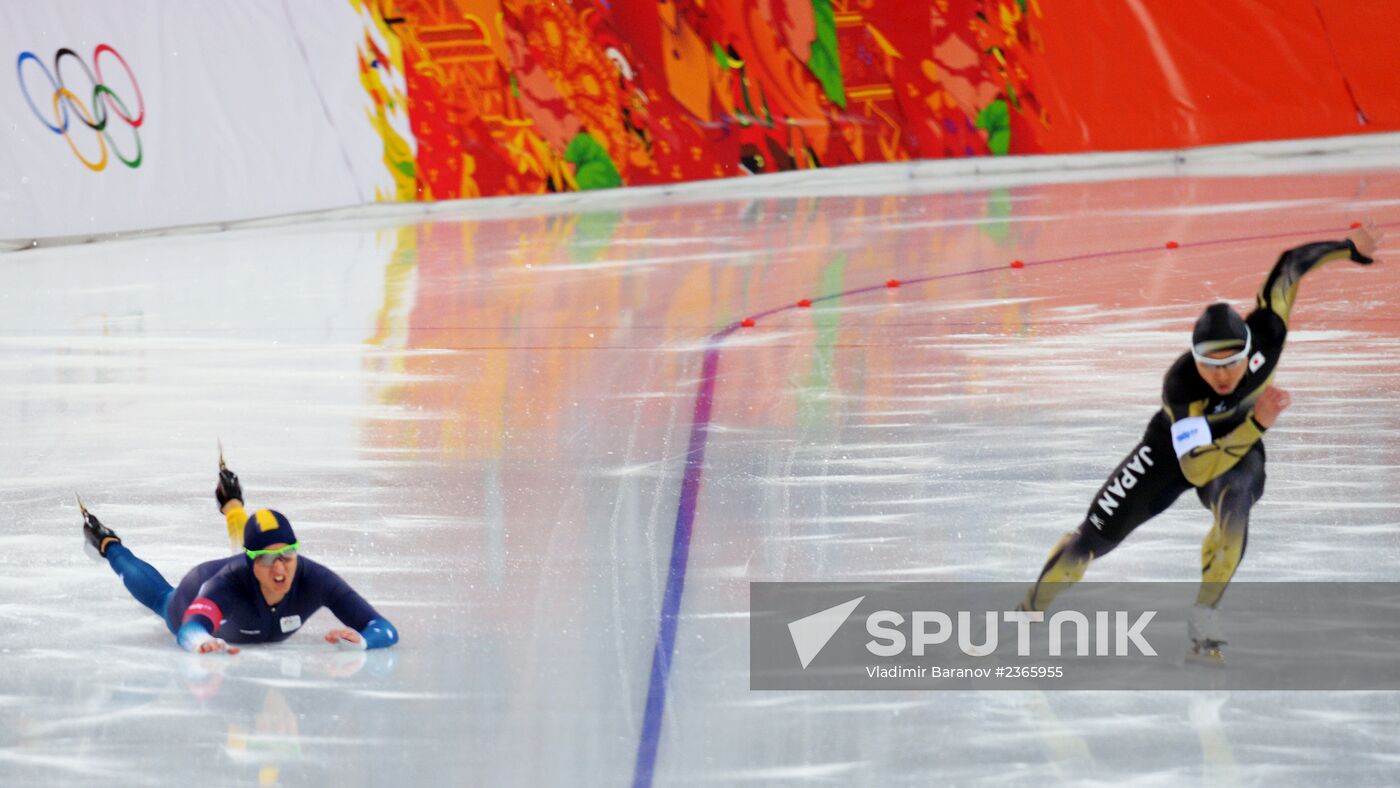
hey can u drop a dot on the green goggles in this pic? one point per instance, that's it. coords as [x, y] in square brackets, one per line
[270, 557]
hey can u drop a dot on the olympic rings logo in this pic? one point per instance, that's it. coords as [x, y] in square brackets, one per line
[105, 103]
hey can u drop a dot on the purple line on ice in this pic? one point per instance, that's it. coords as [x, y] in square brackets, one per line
[675, 577]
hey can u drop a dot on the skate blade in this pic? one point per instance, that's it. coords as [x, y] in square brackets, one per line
[1213, 659]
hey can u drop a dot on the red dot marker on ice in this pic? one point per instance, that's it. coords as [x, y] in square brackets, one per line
[892, 283]
[804, 303]
[1356, 225]
[1017, 264]
[1172, 244]
[747, 322]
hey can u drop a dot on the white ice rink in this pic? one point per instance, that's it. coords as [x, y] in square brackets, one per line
[482, 421]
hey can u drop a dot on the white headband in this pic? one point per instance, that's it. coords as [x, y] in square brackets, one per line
[1228, 361]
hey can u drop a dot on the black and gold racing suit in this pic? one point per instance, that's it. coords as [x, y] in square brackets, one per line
[1198, 439]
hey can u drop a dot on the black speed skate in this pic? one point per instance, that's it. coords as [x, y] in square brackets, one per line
[96, 534]
[1207, 635]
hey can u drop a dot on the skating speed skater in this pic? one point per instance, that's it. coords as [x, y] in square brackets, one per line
[1218, 400]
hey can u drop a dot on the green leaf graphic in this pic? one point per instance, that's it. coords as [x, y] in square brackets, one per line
[593, 167]
[996, 119]
[824, 61]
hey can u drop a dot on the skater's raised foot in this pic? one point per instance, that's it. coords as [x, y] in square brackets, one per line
[99, 536]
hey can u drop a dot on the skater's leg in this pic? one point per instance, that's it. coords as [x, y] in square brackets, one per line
[140, 578]
[1147, 482]
[1068, 561]
[1230, 499]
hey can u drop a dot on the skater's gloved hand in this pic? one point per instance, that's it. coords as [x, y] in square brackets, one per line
[1367, 239]
[346, 639]
[193, 637]
[216, 644]
[228, 489]
[1271, 403]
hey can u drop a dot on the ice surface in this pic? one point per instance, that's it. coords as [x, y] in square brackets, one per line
[483, 424]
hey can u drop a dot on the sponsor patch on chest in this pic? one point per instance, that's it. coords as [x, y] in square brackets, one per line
[291, 623]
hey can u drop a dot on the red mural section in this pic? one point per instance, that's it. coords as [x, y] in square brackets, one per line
[519, 97]
[1136, 75]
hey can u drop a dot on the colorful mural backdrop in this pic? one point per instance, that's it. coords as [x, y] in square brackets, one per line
[265, 108]
[516, 96]
[520, 96]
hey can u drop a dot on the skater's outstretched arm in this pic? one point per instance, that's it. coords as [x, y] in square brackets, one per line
[1281, 287]
[367, 628]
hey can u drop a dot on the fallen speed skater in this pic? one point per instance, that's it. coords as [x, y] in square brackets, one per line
[263, 593]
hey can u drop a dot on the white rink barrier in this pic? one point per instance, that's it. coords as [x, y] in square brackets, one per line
[146, 113]
[1350, 153]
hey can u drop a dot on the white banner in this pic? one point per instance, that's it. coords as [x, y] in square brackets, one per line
[119, 116]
